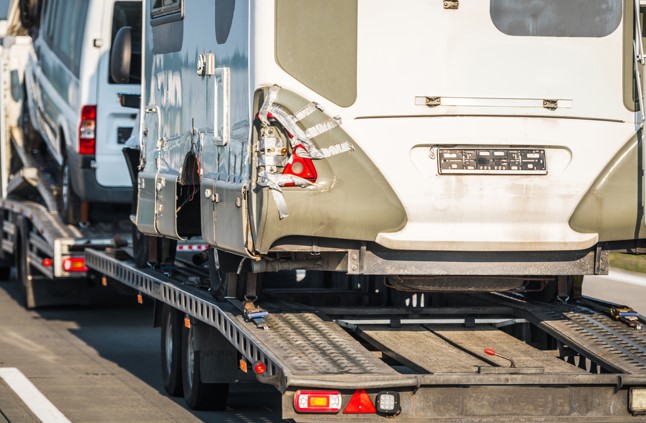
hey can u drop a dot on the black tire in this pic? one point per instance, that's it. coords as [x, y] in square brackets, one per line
[171, 350]
[197, 394]
[23, 268]
[69, 204]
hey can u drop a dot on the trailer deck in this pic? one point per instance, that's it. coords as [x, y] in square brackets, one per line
[428, 356]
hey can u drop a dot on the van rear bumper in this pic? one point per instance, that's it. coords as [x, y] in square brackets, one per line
[85, 185]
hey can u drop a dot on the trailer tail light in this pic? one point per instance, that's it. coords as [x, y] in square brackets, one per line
[360, 403]
[74, 264]
[260, 368]
[637, 401]
[303, 167]
[87, 131]
[47, 262]
[317, 401]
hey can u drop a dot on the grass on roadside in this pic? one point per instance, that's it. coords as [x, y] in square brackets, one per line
[630, 262]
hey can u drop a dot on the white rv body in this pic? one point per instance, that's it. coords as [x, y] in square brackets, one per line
[405, 110]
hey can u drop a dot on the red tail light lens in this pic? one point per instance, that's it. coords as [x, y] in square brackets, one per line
[87, 131]
[74, 264]
[302, 167]
[317, 401]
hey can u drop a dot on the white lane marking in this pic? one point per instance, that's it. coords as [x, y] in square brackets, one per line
[628, 277]
[31, 396]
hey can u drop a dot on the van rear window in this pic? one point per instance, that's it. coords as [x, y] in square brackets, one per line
[128, 13]
[557, 18]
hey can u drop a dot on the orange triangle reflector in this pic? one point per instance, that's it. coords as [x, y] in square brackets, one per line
[360, 403]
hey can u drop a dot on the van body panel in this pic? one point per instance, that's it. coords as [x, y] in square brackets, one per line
[68, 71]
[115, 122]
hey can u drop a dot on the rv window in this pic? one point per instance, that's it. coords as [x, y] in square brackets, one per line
[316, 43]
[223, 19]
[166, 11]
[557, 18]
[128, 13]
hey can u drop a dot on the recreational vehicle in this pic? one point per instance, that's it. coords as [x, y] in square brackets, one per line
[441, 145]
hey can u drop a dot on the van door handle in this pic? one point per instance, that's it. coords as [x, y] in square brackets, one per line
[222, 106]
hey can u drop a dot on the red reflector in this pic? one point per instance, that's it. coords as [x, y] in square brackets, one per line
[74, 264]
[317, 401]
[360, 403]
[489, 351]
[302, 167]
[87, 130]
[260, 368]
[47, 262]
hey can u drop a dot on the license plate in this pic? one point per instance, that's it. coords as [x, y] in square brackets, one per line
[479, 161]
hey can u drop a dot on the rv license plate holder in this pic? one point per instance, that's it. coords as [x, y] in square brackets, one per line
[491, 161]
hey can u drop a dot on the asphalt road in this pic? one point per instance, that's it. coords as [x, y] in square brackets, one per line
[101, 364]
[621, 287]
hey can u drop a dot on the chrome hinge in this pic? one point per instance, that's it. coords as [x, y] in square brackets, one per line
[206, 64]
[551, 104]
[451, 4]
[433, 101]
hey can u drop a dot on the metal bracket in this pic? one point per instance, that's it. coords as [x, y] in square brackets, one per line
[600, 261]
[434, 101]
[354, 262]
[451, 4]
[206, 64]
[550, 104]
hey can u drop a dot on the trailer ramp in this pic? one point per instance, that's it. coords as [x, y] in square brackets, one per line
[616, 347]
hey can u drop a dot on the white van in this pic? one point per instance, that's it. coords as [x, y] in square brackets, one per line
[73, 102]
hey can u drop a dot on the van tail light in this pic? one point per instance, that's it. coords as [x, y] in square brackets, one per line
[74, 264]
[87, 131]
[303, 167]
[317, 401]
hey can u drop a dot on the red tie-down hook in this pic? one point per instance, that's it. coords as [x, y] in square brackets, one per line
[492, 352]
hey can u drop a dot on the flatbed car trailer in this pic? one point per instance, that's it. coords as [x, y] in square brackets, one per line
[476, 357]
[47, 252]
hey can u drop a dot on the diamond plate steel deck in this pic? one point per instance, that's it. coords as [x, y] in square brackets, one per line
[617, 347]
[298, 345]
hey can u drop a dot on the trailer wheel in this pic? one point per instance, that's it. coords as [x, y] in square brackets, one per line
[199, 395]
[23, 271]
[69, 204]
[171, 350]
